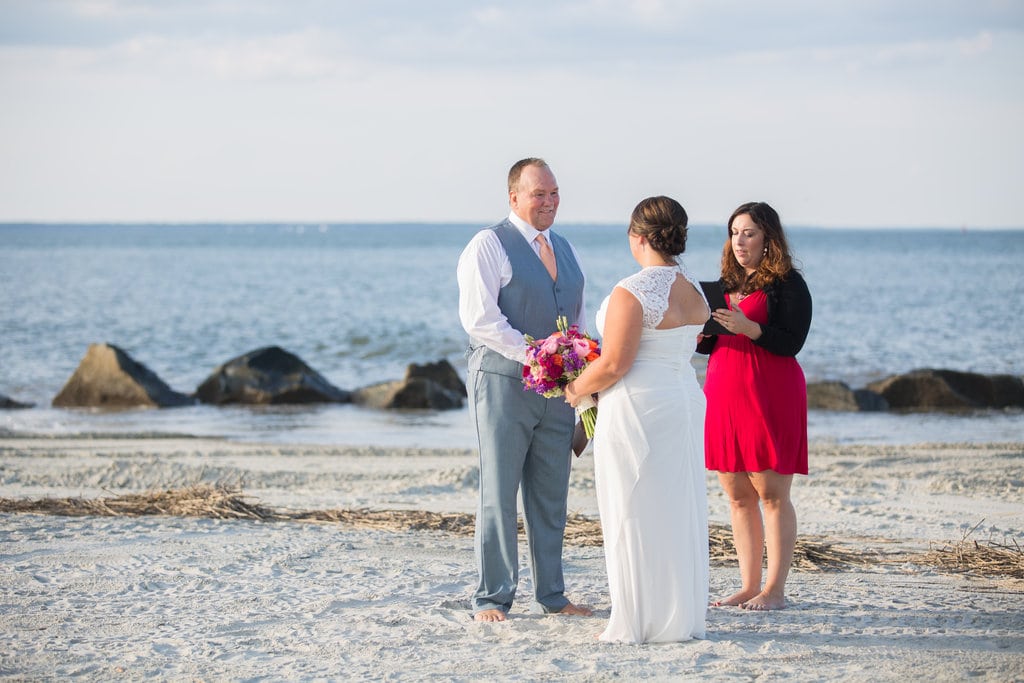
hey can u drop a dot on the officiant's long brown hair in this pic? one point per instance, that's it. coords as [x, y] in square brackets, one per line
[776, 263]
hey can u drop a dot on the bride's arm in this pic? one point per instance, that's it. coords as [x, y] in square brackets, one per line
[622, 324]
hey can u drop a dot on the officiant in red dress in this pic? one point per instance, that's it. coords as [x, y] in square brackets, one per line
[755, 430]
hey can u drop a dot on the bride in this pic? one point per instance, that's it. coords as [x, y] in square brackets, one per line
[649, 438]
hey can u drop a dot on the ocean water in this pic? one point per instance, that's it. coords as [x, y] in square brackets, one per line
[360, 302]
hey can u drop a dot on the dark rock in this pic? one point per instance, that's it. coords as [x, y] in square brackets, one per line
[441, 372]
[870, 401]
[830, 396]
[1007, 391]
[377, 395]
[108, 377]
[435, 386]
[919, 389]
[8, 403]
[950, 389]
[268, 376]
[839, 396]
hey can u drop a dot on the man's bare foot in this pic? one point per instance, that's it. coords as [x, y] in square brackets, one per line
[763, 602]
[490, 615]
[736, 599]
[575, 611]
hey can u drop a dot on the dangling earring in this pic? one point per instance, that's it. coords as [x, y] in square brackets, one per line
[765, 252]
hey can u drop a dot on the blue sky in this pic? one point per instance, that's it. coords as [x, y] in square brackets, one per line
[839, 113]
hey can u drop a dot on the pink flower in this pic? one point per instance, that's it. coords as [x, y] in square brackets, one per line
[581, 347]
[550, 345]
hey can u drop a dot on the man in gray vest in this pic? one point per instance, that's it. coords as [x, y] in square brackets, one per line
[516, 278]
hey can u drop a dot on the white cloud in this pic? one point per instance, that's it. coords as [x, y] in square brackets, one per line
[406, 111]
[305, 56]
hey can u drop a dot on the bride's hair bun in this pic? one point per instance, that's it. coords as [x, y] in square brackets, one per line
[662, 221]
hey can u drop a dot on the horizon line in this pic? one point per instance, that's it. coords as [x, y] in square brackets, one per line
[383, 222]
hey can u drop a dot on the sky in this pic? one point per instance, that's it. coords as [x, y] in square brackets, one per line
[839, 113]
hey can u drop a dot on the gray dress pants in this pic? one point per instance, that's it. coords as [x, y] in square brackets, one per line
[524, 441]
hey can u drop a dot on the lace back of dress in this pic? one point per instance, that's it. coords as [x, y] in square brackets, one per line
[652, 286]
[695, 282]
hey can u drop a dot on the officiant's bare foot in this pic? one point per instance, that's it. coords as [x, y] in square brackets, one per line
[490, 615]
[763, 602]
[736, 599]
[575, 611]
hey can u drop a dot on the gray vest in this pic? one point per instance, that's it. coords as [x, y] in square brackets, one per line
[531, 301]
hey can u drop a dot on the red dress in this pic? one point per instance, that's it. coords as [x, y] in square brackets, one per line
[757, 404]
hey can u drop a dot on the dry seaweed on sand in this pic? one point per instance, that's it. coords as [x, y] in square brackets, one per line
[225, 502]
[979, 558]
[809, 554]
[390, 520]
[195, 501]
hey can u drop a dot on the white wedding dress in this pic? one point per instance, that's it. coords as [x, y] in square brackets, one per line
[650, 478]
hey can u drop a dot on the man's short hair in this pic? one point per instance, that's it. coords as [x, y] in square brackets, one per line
[517, 170]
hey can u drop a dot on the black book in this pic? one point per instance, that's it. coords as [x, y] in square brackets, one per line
[716, 299]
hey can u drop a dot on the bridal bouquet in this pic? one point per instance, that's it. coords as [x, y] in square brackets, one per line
[553, 362]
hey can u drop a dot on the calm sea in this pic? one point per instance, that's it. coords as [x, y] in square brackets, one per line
[360, 302]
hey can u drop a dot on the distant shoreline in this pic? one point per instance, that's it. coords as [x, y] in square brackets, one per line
[571, 224]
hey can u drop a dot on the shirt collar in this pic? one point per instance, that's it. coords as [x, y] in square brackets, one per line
[527, 230]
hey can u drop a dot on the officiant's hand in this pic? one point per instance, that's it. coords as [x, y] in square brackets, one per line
[734, 320]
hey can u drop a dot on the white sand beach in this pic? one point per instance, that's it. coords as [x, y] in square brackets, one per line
[192, 598]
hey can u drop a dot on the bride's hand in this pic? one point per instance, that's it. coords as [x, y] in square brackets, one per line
[571, 397]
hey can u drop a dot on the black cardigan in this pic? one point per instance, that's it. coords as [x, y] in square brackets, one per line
[789, 318]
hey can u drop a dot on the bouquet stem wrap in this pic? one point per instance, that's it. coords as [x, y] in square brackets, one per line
[586, 411]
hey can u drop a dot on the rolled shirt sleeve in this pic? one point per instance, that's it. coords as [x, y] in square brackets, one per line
[483, 270]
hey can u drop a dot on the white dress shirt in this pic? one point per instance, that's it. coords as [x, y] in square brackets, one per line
[483, 270]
